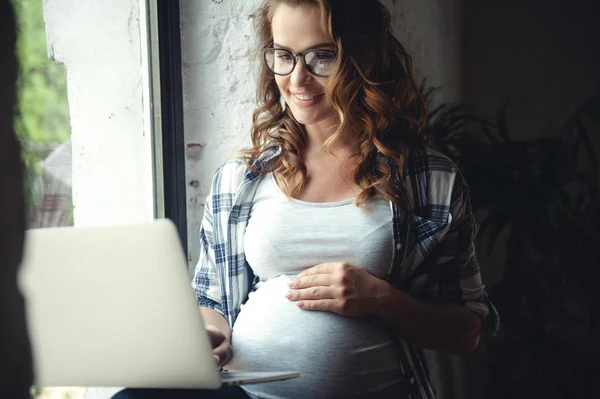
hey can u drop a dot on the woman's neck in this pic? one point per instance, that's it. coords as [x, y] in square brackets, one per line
[319, 134]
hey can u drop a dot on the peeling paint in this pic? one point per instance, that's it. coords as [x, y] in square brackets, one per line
[99, 44]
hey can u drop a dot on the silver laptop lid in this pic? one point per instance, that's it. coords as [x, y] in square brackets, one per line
[113, 306]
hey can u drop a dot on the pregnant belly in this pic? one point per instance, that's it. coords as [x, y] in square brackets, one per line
[339, 355]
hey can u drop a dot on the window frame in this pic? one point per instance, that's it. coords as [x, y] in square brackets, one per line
[167, 109]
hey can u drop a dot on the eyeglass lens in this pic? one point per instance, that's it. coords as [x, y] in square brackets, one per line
[318, 62]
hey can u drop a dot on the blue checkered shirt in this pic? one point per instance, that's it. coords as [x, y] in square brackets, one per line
[434, 246]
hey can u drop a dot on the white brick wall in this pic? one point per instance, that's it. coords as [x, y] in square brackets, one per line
[219, 84]
[219, 78]
[99, 43]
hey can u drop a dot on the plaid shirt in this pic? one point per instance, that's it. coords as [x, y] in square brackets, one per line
[434, 250]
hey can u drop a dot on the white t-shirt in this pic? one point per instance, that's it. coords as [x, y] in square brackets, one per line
[336, 356]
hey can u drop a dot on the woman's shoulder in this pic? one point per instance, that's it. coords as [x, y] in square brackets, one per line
[237, 169]
[228, 178]
[431, 176]
[232, 168]
[427, 160]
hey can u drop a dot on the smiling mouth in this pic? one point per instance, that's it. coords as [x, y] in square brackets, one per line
[305, 97]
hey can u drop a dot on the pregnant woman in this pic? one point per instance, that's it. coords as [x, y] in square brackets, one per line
[338, 245]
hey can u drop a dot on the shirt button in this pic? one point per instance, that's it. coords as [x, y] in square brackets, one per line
[399, 246]
[412, 380]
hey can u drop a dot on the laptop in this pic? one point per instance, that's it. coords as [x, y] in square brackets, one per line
[113, 307]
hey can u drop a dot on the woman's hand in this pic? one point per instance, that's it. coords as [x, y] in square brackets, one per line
[340, 288]
[222, 351]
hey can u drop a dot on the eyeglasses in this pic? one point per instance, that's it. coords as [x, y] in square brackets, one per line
[282, 62]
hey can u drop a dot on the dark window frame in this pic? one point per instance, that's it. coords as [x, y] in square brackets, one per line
[171, 117]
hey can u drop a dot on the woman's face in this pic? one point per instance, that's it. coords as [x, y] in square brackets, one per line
[299, 29]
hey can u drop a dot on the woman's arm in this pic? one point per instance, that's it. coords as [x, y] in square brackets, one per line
[215, 319]
[207, 287]
[219, 333]
[429, 323]
[447, 316]
[349, 290]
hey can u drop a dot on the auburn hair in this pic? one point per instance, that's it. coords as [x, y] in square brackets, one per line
[371, 89]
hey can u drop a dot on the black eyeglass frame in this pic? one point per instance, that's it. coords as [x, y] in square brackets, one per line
[295, 57]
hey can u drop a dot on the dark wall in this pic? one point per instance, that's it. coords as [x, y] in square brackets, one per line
[542, 55]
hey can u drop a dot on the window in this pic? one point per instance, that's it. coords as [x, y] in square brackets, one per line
[42, 122]
[42, 125]
[85, 118]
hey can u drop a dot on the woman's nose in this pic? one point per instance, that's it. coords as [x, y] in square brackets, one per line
[300, 75]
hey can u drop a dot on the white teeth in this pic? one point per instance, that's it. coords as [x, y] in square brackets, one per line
[304, 98]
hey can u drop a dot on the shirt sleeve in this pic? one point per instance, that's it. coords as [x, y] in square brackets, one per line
[206, 283]
[455, 274]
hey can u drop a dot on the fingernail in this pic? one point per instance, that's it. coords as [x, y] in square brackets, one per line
[288, 295]
[300, 304]
[217, 359]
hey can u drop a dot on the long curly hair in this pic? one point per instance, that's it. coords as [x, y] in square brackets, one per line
[371, 89]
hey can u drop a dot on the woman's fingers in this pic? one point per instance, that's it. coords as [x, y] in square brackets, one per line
[221, 346]
[324, 305]
[224, 352]
[316, 292]
[311, 281]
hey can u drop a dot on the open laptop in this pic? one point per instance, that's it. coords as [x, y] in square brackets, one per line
[113, 306]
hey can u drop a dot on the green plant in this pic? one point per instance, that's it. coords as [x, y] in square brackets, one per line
[36, 391]
[42, 112]
[542, 194]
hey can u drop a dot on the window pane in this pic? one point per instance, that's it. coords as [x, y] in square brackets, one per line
[42, 125]
[84, 119]
[42, 122]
